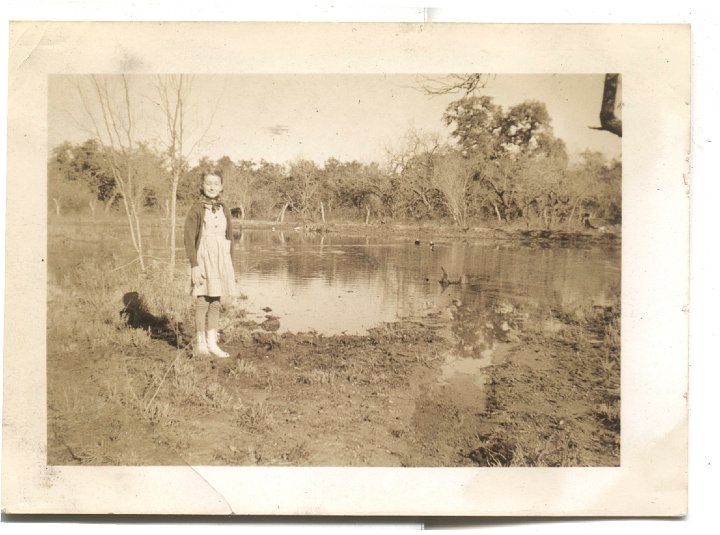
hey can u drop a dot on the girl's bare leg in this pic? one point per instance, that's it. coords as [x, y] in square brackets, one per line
[213, 319]
[201, 311]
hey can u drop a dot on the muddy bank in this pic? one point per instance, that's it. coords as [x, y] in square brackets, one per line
[279, 400]
[555, 401]
[406, 394]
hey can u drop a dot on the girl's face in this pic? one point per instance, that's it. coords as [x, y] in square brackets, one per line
[212, 185]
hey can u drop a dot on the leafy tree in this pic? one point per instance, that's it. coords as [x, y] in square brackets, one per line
[477, 125]
[374, 190]
[300, 188]
[517, 158]
[268, 191]
[469, 83]
[540, 189]
[542, 186]
[86, 163]
[66, 192]
[481, 128]
[239, 180]
[331, 180]
[151, 172]
[596, 187]
[362, 188]
[526, 129]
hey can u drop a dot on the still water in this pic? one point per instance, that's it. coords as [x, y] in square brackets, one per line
[347, 284]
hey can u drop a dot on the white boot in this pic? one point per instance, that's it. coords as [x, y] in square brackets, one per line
[213, 347]
[201, 347]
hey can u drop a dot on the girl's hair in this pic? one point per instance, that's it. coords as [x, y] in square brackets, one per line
[214, 172]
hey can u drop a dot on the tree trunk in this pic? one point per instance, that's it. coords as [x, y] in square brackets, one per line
[93, 206]
[525, 219]
[610, 100]
[281, 215]
[322, 212]
[242, 212]
[138, 232]
[572, 212]
[173, 217]
[134, 230]
[109, 202]
[497, 212]
[367, 215]
[57, 206]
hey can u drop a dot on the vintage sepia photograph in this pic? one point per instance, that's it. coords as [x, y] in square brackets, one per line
[346, 269]
[334, 270]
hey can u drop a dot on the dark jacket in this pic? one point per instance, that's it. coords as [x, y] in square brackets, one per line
[193, 228]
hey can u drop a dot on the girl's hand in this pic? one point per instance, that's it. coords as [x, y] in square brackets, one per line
[196, 276]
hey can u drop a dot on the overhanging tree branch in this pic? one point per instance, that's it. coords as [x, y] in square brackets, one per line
[611, 105]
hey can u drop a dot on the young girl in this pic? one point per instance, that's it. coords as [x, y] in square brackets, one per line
[208, 242]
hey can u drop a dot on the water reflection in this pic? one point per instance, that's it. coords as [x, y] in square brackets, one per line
[333, 284]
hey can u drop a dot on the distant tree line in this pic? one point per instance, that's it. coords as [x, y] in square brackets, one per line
[501, 166]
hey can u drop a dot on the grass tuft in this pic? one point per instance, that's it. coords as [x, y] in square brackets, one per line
[256, 416]
[317, 377]
[244, 368]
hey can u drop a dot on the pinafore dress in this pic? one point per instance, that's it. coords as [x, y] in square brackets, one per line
[214, 258]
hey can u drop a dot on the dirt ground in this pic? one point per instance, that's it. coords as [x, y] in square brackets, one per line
[125, 391]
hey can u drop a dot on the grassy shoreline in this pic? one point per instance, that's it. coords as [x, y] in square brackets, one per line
[437, 230]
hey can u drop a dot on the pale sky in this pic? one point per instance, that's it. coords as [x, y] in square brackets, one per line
[350, 117]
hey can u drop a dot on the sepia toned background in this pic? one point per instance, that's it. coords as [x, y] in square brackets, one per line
[642, 161]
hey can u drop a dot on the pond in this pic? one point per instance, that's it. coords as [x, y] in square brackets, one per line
[348, 284]
[334, 283]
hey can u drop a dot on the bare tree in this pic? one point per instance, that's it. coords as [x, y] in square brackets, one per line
[466, 83]
[110, 108]
[174, 92]
[412, 165]
[453, 176]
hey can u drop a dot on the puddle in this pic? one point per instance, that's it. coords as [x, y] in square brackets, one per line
[463, 380]
[464, 366]
[480, 339]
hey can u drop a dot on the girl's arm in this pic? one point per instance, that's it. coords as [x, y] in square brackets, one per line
[191, 236]
[229, 232]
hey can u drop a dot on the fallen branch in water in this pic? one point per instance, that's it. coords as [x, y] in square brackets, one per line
[445, 281]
